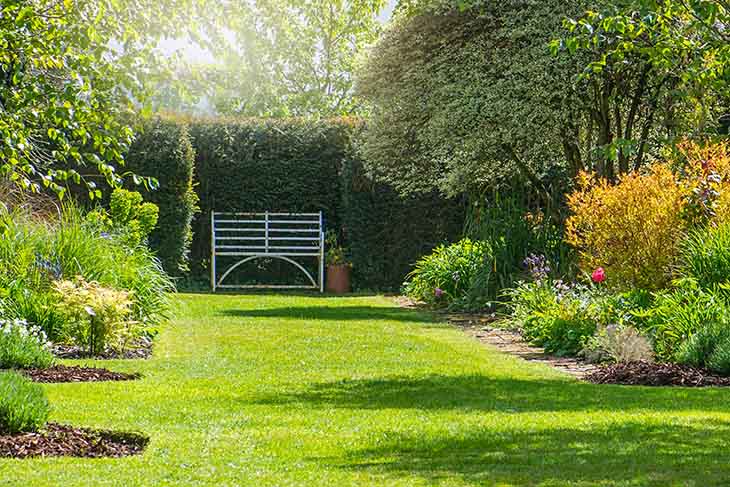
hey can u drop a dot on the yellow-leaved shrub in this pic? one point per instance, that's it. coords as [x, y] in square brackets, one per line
[630, 228]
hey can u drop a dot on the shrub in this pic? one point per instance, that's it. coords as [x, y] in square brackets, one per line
[632, 228]
[23, 346]
[618, 343]
[705, 256]
[98, 317]
[23, 404]
[447, 274]
[129, 217]
[704, 171]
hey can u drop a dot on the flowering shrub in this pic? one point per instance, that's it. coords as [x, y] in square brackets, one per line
[98, 317]
[631, 229]
[447, 274]
[23, 404]
[23, 346]
[34, 253]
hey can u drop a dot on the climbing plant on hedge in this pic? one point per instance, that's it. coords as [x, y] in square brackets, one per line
[163, 150]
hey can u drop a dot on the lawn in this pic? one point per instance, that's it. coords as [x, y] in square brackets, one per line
[279, 390]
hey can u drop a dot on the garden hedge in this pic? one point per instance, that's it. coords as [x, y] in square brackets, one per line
[298, 165]
[163, 150]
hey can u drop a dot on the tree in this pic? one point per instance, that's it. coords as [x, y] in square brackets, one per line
[293, 57]
[71, 75]
[464, 99]
[656, 71]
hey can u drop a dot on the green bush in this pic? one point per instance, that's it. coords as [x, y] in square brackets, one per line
[448, 274]
[35, 253]
[23, 346]
[565, 318]
[23, 404]
[705, 256]
[98, 318]
[163, 150]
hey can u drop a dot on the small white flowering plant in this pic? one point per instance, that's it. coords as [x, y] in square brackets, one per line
[23, 346]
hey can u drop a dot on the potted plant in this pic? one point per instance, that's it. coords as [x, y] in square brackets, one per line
[338, 267]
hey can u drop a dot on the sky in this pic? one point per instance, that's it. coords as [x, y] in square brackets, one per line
[194, 54]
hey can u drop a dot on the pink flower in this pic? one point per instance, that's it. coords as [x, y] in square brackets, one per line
[599, 275]
[438, 292]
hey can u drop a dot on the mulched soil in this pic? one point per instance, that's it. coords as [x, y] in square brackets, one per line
[655, 374]
[61, 440]
[63, 373]
[142, 349]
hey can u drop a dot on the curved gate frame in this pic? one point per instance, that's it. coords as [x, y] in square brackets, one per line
[259, 238]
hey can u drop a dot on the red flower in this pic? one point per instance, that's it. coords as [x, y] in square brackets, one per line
[599, 275]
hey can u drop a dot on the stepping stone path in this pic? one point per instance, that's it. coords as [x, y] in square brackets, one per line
[482, 328]
[511, 342]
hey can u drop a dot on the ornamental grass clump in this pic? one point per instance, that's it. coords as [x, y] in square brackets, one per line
[23, 346]
[23, 404]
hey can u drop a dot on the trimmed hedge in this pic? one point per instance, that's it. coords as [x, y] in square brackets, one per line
[387, 233]
[298, 165]
[163, 150]
[265, 165]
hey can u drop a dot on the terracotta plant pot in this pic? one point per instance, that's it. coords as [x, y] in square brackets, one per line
[338, 279]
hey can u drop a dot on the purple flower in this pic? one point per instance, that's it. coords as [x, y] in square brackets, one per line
[537, 266]
[438, 292]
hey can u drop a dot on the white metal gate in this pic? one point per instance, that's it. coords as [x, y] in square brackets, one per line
[290, 237]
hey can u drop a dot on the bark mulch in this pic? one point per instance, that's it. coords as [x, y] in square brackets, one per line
[142, 349]
[58, 440]
[656, 374]
[63, 373]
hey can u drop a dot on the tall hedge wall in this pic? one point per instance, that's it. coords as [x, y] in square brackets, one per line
[163, 150]
[265, 165]
[387, 233]
[306, 166]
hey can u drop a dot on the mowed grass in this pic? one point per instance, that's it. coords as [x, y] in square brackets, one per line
[285, 390]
